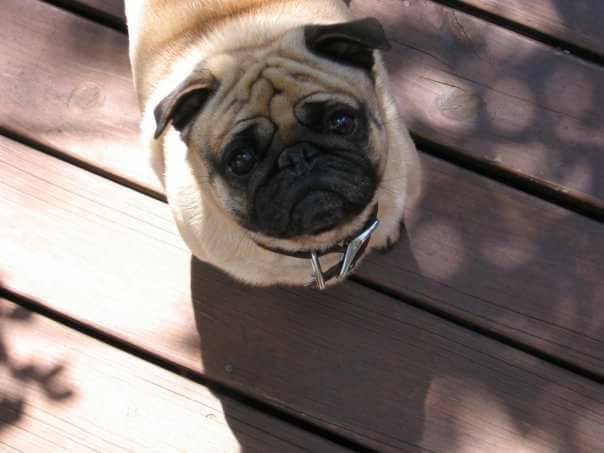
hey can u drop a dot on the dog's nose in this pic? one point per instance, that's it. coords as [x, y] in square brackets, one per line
[297, 157]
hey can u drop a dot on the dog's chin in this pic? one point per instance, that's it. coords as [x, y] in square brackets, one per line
[317, 212]
[324, 232]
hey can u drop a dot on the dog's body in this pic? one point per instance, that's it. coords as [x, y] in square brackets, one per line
[255, 66]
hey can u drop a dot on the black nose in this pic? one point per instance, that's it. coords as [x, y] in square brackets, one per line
[297, 157]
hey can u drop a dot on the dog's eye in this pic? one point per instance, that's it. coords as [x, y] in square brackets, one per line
[243, 161]
[342, 123]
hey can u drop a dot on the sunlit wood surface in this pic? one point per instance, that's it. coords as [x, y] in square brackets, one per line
[482, 331]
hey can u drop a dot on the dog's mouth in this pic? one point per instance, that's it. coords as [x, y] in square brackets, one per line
[314, 213]
[327, 194]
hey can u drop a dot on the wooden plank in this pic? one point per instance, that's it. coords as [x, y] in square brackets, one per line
[505, 261]
[353, 360]
[497, 96]
[578, 22]
[69, 87]
[512, 264]
[63, 391]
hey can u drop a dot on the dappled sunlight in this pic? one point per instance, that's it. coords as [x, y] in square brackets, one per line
[478, 400]
[578, 176]
[486, 91]
[503, 50]
[505, 254]
[532, 417]
[436, 98]
[458, 107]
[585, 428]
[536, 159]
[439, 249]
[482, 249]
[585, 138]
[461, 399]
[530, 269]
[576, 21]
[509, 115]
[503, 423]
[571, 90]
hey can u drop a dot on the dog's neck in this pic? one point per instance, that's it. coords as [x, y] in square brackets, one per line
[352, 249]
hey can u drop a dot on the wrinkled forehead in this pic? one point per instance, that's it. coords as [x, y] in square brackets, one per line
[270, 85]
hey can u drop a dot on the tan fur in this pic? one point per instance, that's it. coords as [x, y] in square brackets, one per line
[248, 46]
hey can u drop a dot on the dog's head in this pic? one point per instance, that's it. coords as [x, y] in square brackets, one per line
[289, 140]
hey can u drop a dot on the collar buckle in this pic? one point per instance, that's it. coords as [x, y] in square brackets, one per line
[353, 252]
[351, 249]
[317, 272]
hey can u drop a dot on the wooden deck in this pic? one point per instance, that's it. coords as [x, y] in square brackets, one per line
[483, 331]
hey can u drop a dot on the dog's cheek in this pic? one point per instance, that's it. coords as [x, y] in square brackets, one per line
[377, 149]
[234, 202]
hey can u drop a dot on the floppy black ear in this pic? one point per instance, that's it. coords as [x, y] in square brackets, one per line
[183, 104]
[350, 43]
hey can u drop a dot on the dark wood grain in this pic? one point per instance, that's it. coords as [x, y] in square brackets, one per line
[351, 359]
[66, 83]
[578, 22]
[491, 255]
[63, 391]
[505, 261]
[496, 96]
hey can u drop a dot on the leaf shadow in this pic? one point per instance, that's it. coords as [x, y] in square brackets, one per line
[21, 377]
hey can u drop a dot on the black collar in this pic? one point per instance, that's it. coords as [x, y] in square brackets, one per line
[352, 249]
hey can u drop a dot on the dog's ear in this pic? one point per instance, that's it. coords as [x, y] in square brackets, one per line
[350, 43]
[185, 102]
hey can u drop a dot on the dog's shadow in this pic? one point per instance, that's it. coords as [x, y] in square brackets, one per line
[321, 354]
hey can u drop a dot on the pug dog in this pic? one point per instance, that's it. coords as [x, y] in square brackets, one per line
[272, 128]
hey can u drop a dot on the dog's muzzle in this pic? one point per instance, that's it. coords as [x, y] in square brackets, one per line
[351, 249]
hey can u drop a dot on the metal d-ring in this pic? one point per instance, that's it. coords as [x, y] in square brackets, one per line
[354, 247]
[317, 272]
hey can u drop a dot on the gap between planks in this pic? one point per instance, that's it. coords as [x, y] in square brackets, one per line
[109, 13]
[98, 170]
